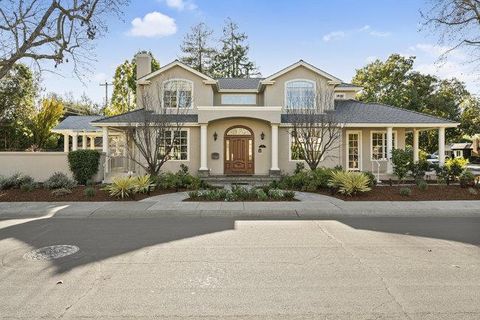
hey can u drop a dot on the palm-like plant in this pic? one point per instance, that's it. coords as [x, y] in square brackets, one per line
[122, 187]
[349, 183]
[144, 184]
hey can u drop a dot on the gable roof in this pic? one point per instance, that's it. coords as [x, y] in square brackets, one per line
[77, 123]
[239, 83]
[176, 63]
[139, 116]
[302, 63]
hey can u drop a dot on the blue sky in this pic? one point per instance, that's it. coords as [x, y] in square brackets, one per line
[336, 36]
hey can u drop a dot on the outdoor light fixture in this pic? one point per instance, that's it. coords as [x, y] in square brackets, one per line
[215, 136]
[262, 135]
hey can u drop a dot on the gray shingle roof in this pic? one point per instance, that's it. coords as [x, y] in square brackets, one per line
[140, 114]
[347, 85]
[352, 111]
[238, 83]
[78, 123]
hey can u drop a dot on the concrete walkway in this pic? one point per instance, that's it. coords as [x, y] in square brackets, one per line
[310, 206]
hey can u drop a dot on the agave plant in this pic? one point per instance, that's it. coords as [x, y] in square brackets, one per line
[144, 184]
[349, 183]
[122, 187]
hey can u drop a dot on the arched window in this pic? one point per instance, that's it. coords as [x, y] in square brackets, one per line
[300, 94]
[177, 93]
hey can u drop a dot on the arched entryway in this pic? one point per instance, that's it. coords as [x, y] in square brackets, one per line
[239, 155]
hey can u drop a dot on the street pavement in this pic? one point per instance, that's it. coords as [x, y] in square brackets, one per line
[150, 265]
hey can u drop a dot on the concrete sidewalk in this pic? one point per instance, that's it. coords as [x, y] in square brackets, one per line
[310, 206]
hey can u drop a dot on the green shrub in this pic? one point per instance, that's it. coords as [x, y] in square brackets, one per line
[240, 193]
[261, 194]
[422, 185]
[467, 179]
[372, 180]
[406, 192]
[299, 167]
[311, 180]
[61, 192]
[289, 195]
[349, 183]
[59, 180]
[472, 191]
[89, 192]
[455, 167]
[194, 195]
[83, 164]
[28, 187]
[401, 160]
[419, 169]
[178, 180]
[122, 187]
[144, 184]
[15, 181]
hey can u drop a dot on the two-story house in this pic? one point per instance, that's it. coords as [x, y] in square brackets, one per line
[241, 127]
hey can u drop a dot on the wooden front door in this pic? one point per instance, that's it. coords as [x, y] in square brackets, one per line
[239, 151]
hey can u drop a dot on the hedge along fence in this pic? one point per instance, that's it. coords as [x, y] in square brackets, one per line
[40, 165]
[84, 164]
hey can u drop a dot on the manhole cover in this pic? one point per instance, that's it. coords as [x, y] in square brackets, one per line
[51, 252]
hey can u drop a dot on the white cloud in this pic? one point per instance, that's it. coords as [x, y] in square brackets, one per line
[337, 35]
[181, 5]
[154, 24]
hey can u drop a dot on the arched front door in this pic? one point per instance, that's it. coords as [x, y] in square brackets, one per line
[239, 155]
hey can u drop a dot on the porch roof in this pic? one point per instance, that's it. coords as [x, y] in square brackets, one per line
[77, 124]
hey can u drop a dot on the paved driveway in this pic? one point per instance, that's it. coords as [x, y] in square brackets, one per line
[226, 268]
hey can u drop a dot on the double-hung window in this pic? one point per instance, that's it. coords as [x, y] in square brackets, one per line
[298, 146]
[379, 144]
[300, 94]
[176, 141]
[177, 94]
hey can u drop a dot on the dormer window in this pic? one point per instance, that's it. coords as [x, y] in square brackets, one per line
[177, 93]
[300, 94]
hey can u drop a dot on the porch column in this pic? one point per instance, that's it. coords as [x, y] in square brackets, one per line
[416, 156]
[74, 141]
[66, 142]
[92, 142]
[389, 150]
[105, 148]
[441, 146]
[274, 169]
[84, 141]
[203, 148]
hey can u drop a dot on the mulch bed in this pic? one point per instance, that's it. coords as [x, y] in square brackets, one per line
[43, 195]
[433, 193]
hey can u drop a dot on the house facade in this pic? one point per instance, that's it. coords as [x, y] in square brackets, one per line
[242, 127]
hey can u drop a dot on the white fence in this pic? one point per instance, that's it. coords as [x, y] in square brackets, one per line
[39, 165]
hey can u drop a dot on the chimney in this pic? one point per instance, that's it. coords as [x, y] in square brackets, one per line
[144, 64]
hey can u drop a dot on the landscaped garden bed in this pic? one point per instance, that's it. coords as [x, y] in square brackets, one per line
[241, 193]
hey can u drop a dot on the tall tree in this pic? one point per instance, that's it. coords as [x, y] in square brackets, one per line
[53, 30]
[125, 86]
[196, 48]
[457, 22]
[42, 121]
[233, 61]
[395, 83]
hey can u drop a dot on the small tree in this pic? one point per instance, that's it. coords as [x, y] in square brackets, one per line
[402, 161]
[155, 136]
[315, 130]
[42, 121]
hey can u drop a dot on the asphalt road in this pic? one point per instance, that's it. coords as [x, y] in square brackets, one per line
[203, 268]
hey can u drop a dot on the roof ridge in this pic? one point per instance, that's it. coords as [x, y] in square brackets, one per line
[121, 114]
[403, 109]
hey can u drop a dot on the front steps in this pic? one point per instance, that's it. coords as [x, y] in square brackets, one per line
[226, 180]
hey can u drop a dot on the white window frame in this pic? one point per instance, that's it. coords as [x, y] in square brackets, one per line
[302, 80]
[188, 146]
[238, 94]
[290, 141]
[394, 144]
[360, 151]
[177, 79]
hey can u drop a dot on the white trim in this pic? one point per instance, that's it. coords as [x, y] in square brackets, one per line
[303, 64]
[360, 151]
[144, 79]
[431, 126]
[178, 80]
[243, 108]
[298, 80]
[395, 143]
[238, 91]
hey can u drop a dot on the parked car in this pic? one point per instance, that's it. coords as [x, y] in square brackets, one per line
[433, 158]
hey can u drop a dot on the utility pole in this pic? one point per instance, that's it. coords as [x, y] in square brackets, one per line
[106, 85]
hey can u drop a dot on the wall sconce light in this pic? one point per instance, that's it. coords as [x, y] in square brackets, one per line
[215, 136]
[262, 135]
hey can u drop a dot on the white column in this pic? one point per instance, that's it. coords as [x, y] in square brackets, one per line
[92, 142]
[66, 142]
[416, 156]
[203, 147]
[74, 141]
[105, 148]
[389, 149]
[274, 147]
[84, 141]
[441, 146]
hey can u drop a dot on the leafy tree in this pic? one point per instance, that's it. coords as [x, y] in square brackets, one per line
[197, 52]
[42, 121]
[73, 106]
[233, 61]
[125, 87]
[470, 118]
[395, 83]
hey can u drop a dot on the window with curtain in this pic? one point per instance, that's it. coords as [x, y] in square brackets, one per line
[177, 94]
[300, 94]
